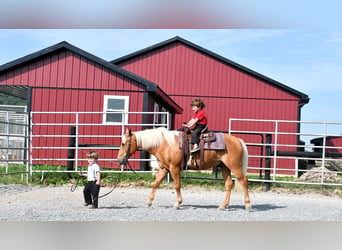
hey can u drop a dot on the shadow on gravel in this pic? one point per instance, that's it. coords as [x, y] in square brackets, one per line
[257, 207]
[266, 207]
[14, 189]
[199, 206]
[117, 207]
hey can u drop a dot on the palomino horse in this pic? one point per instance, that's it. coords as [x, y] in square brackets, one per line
[164, 145]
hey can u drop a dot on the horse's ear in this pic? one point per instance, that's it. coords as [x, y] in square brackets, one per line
[128, 131]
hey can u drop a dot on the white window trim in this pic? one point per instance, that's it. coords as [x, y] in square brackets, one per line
[126, 106]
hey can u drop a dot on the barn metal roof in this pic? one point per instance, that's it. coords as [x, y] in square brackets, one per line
[303, 97]
[19, 91]
[15, 90]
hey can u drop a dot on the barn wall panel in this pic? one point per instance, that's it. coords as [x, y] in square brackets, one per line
[219, 110]
[180, 71]
[188, 72]
[67, 70]
[78, 100]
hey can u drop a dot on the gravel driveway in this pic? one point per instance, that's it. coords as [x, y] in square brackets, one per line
[31, 203]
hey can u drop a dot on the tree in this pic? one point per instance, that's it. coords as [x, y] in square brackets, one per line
[6, 99]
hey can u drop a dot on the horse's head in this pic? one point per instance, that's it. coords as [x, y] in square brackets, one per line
[127, 148]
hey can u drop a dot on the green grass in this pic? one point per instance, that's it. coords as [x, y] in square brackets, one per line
[16, 174]
[203, 180]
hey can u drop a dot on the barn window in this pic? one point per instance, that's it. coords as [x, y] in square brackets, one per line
[159, 118]
[115, 109]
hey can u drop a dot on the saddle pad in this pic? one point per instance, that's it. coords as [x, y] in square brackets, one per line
[218, 144]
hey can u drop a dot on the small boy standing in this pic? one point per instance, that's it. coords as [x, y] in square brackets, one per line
[92, 188]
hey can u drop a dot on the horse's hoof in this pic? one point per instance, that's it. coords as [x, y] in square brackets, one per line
[222, 207]
[148, 204]
[248, 209]
[177, 206]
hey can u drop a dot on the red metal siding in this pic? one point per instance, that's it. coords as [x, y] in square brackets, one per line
[67, 70]
[67, 82]
[49, 100]
[336, 143]
[185, 74]
[181, 70]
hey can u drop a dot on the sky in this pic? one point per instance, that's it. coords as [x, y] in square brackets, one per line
[307, 60]
[298, 43]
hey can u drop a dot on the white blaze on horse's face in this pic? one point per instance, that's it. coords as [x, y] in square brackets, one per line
[123, 154]
[123, 140]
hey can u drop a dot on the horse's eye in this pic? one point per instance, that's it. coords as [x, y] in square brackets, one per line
[123, 144]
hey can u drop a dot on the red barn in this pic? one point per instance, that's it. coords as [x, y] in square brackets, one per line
[187, 71]
[165, 76]
[333, 144]
[64, 78]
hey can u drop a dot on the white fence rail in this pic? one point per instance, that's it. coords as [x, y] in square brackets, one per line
[13, 139]
[88, 129]
[272, 158]
[312, 155]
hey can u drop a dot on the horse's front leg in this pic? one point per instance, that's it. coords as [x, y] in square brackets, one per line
[175, 172]
[160, 176]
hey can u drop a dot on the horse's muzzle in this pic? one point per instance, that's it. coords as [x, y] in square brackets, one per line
[123, 161]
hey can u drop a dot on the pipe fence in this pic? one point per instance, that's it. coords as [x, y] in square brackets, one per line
[311, 155]
[64, 138]
[60, 140]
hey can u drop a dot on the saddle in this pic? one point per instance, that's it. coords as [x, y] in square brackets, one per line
[208, 141]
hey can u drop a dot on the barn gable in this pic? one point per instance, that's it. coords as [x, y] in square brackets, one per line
[169, 74]
[186, 71]
[64, 66]
[178, 52]
[68, 89]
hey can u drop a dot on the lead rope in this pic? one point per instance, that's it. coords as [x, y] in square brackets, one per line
[115, 185]
[75, 185]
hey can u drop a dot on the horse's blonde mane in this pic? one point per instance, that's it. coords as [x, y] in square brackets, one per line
[149, 138]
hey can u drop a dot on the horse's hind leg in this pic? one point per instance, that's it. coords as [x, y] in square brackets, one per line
[228, 185]
[160, 176]
[244, 183]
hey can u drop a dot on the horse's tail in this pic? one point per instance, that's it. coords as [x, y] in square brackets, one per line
[244, 156]
[238, 187]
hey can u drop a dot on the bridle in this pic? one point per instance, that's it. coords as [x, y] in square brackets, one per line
[124, 160]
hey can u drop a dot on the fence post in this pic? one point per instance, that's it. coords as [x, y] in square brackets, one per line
[71, 150]
[268, 162]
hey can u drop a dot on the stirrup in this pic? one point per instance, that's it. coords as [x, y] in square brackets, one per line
[194, 150]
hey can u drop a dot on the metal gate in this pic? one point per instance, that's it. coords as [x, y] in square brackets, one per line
[60, 140]
[311, 156]
[14, 140]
